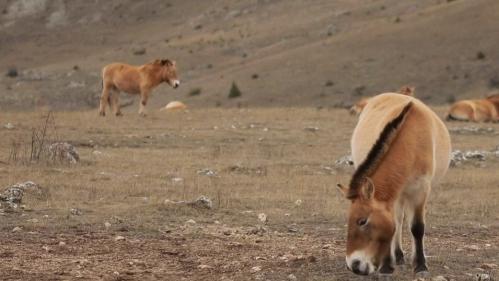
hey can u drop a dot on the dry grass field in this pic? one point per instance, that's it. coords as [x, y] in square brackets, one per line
[276, 161]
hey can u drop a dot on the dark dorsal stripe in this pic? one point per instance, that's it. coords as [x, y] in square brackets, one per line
[377, 152]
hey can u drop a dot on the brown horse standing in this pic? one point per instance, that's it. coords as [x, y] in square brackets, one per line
[400, 149]
[484, 110]
[135, 80]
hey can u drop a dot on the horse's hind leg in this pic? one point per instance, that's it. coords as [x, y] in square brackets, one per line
[104, 99]
[397, 237]
[416, 218]
[115, 101]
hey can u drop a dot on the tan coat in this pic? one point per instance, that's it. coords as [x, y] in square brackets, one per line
[135, 80]
[484, 110]
[400, 149]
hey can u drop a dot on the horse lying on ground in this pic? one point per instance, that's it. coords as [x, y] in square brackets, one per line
[357, 108]
[484, 110]
[135, 80]
[400, 149]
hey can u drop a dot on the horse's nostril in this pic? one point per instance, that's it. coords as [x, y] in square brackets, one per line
[356, 266]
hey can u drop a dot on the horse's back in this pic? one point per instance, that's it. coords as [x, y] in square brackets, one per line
[424, 138]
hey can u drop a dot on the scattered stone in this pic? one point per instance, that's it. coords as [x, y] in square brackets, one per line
[292, 277]
[472, 247]
[488, 266]
[177, 180]
[138, 50]
[107, 225]
[202, 202]
[119, 238]
[257, 230]
[204, 266]
[262, 217]
[482, 277]
[64, 152]
[458, 157]
[46, 248]
[439, 278]
[472, 130]
[311, 129]
[191, 221]
[256, 269]
[62, 243]
[207, 172]
[298, 202]
[9, 126]
[74, 84]
[293, 228]
[327, 246]
[345, 161]
[17, 229]
[76, 212]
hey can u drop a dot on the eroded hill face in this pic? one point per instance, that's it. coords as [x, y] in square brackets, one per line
[280, 53]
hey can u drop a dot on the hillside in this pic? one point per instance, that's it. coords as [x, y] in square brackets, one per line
[280, 53]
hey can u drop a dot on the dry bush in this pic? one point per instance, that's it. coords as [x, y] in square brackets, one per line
[35, 149]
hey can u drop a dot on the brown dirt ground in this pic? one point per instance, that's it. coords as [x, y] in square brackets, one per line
[265, 160]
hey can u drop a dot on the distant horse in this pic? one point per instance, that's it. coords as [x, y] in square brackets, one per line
[484, 110]
[135, 80]
[400, 148]
[357, 108]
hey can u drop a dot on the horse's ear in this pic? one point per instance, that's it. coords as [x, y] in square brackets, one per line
[342, 189]
[167, 62]
[367, 189]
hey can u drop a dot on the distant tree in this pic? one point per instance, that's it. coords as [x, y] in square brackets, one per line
[234, 91]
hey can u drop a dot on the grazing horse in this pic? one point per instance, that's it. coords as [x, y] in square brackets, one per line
[400, 148]
[484, 110]
[135, 80]
[357, 108]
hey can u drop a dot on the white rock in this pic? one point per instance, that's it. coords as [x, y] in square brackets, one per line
[62, 243]
[439, 278]
[256, 269]
[292, 277]
[119, 238]
[9, 126]
[191, 221]
[204, 266]
[17, 229]
[107, 225]
[262, 217]
[298, 202]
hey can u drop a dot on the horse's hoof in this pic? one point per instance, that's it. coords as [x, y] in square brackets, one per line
[422, 274]
[119, 114]
[385, 277]
[102, 113]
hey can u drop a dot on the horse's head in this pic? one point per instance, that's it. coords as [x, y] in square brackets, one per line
[370, 230]
[168, 72]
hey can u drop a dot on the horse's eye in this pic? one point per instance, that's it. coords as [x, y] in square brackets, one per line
[362, 222]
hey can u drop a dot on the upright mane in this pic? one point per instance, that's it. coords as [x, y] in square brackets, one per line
[377, 152]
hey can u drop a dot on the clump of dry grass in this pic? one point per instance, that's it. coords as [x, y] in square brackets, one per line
[35, 149]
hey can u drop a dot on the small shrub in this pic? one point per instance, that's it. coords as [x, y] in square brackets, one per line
[480, 55]
[194, 92]
[234, 91]
[12, 72]
[329, 83]
[254, 76]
